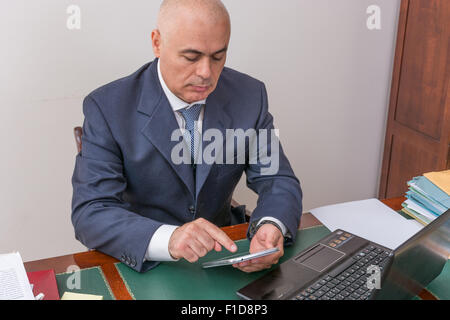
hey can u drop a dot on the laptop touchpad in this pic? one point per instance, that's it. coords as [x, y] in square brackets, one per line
[319, 257]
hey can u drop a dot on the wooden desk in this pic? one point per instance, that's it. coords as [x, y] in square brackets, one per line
[94, 258]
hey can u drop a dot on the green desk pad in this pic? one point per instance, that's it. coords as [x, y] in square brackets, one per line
[92, 281]
[185, 281]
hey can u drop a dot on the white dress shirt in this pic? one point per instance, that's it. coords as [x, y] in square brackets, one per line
[158, 248]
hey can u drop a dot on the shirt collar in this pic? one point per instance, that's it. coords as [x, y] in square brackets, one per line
[175, 102]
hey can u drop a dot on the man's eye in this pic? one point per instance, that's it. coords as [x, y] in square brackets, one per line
[218, 58]
[190, 59]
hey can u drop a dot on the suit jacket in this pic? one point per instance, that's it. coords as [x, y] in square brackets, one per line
[125, 185]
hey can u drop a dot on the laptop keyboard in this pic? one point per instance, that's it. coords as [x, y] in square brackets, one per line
[348, 281]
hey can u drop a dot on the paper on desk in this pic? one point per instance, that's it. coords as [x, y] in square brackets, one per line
[410, 204]
[80, 296]
[14, 283]
[369, 219]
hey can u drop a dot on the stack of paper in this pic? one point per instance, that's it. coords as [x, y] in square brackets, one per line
[428, 196]
[14, 283]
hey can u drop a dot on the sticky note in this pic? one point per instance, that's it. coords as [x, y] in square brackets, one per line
[80, 296]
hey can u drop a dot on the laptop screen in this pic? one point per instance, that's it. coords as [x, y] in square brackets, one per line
[418, 261]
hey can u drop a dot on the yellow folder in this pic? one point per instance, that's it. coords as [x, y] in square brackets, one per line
[440, 179]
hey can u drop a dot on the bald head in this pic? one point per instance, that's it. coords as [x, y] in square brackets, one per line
[191, 42]
[206, 11]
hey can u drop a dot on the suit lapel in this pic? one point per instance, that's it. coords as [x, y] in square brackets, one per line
[158, 130]
[215, 117]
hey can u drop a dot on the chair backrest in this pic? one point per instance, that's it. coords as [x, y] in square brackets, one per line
[78, 133]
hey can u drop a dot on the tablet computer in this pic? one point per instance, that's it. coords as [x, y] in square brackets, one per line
[238, 259]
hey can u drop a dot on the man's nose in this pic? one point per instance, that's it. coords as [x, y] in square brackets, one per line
[204, 68]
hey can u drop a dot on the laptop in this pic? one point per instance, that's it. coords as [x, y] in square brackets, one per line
[343, 266]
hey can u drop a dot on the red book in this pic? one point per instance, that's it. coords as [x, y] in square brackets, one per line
[44, 282]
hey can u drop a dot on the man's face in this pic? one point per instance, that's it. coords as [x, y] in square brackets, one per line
[192, 55]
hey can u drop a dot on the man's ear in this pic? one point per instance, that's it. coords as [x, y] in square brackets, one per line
[156, 42]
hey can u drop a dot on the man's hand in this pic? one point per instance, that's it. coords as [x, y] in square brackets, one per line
[268, 236]
[195, 239]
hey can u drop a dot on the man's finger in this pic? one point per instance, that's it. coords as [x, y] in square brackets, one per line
[197, 248]
[275, 239]
[205, 239]
[254, 268]
[220, 236]
[273, 259]
[190, 255]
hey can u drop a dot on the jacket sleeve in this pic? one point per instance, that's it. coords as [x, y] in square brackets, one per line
[101, 218]
[272, 178]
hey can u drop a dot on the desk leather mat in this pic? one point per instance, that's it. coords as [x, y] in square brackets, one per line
[91, 281]
[185, 281]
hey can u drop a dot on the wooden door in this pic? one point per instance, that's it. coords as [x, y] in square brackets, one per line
[418, 128]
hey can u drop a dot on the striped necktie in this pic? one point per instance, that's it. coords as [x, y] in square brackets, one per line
[191, 115]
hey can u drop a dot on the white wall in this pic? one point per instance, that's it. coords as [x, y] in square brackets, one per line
[327, 75]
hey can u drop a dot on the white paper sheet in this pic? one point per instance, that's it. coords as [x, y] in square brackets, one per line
[369, 219]
[14, 284]
[420, 210]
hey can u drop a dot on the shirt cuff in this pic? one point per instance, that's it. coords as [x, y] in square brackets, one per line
[158, 248]
[278, 222]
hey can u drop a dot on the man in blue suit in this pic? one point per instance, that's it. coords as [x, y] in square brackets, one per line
[131, 200]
